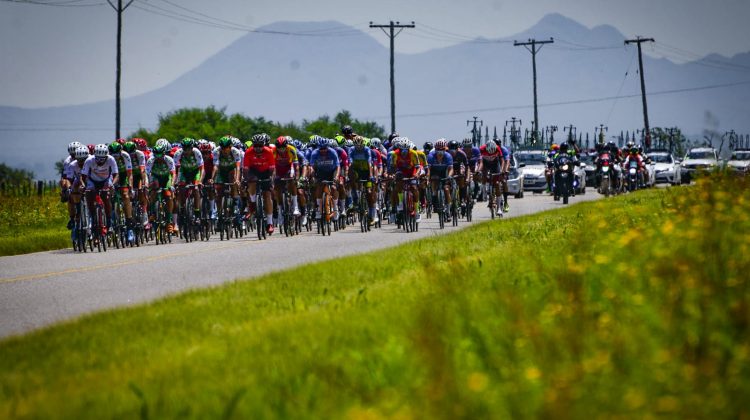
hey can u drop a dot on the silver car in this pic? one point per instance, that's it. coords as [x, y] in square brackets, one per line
[667, 169]
[699, 159]
[739, 163]
[516, 177]
[535, 162]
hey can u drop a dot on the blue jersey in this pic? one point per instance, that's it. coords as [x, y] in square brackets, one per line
[472, 155]
[325, 160]
[506, 153]
[360, 157]
[439, 167]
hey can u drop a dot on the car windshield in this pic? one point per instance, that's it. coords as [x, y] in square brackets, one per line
[531, 158]
[745, 155]
[701, 155]
[661, 158]
[587, 159]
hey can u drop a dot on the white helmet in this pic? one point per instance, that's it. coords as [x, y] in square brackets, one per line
[467, 142]
[491, 147]
[164, 143]
[375, 142]
[73, 146]
[82, 152]
[101, 150]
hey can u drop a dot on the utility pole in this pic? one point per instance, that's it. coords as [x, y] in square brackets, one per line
[602, 129]
[638, 41]
[392, 26]
[476, 134]
[533, 50]
[119, 9]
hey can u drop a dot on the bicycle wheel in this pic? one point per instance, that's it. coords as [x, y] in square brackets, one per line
[439, 210]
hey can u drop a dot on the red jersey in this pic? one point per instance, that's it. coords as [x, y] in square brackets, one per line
[490, 157]
[263, 162]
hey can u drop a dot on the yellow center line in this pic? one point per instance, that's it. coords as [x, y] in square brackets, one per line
[117, 264]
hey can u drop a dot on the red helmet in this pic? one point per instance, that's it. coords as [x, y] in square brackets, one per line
[91, 148]
[140, 143]
[121, 141]
[281, 141]
[205, 147]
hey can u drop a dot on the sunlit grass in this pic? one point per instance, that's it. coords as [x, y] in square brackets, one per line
[31, 224]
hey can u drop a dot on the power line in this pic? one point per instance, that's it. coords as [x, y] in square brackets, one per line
[632, 57]
[68, 3]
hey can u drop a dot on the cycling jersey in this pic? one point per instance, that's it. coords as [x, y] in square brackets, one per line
[226, 163]
[72, 171]
[138, 161]
[191, 162]
[66, 164]
[422, 158]
[460, 160]
[360, 159]
[325, 162]
[285, 159]
[491, 161]
[377, 158]
[264, 161]
[343, 157]
[99, 174]
[506, 152]
[407, 163]
[160, 170]
[473, 154]
[208, 164]
[440, 161]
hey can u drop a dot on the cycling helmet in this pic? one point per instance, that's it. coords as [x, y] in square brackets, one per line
[175, 145]
[130, 147]
[282, 141]
[160, 150]
[248, 144]
[73, 146]
[201, 141]
[332, 143]
[297, 144]
[187, 143]
[633, 150]
[554, 147]
[375, 142]
[91, 148]
[428, 147]
[453, 145]
[82, 152]
[321, 142]
[347, 131]
[467, 142]
[236, 143]
[101, 150]
[393, 136]
[162, 142]
[140, 143]
[564, 148]
[225, 142]
[205, 147]
[491, 147]
[261, 138]
[352, 143]
[358, 141]
[121, 141]
[403, 145]
[340, 140]
[630, 144]
[114, 148]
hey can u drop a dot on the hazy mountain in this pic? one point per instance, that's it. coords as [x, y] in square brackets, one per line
[288, 78]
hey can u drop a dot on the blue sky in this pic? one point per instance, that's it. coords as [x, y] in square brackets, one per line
[64, 54]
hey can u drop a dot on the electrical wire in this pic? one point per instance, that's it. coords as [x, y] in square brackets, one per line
[67, 3]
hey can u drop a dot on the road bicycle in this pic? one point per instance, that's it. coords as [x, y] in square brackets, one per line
[160, 225]
[326, 215]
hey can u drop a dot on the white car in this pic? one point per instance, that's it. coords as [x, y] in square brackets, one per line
[666, 168]
[699, 159]
[516, 177]
[535, 162]
[739, 163]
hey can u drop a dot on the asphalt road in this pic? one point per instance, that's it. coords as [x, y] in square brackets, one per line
[40, 289]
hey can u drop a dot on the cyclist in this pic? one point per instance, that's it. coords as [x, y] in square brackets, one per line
[73, 174]
[260, 164]
[142, 145]
[125, 168]
[460, 169]
[207, 153]
[189, 161]
[440, 166]
[491, 163]
[324, 166]
[161, 172]
[140, 179]
[362, 169]
[343, 194]
[406, 163]
[99, 173]
[506, 172]
[473, 155]
[287, 166]
[423, 175]
[227, 162]
[65, 182]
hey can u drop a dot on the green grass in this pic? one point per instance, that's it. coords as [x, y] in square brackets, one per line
[32, 224]
[632, 307]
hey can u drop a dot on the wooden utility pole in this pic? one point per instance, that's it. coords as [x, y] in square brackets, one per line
[392, 26]
[533, 50]
[119, 9]
[638, 41]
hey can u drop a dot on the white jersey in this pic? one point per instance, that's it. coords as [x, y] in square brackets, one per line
[138, 159]
[100, 173]
[72, 171]
[190, 164]
[66, 163]
[159, 167]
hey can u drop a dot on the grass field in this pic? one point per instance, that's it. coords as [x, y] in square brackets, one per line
[31, 224]
[636, 306]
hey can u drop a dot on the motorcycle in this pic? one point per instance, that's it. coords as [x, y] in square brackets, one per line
[605, 176]
[633, 175]
[563, 186]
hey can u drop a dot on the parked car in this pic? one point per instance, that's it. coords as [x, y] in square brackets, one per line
[699, 159]
[666, 167]
[516, 177]
[739, 163]
[535, 162]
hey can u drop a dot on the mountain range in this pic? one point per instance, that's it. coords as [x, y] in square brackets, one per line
[291, 78]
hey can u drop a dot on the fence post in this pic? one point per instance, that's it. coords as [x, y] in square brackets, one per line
[39, 188]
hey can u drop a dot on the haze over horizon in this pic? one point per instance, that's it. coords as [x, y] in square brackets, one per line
[65, 55]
